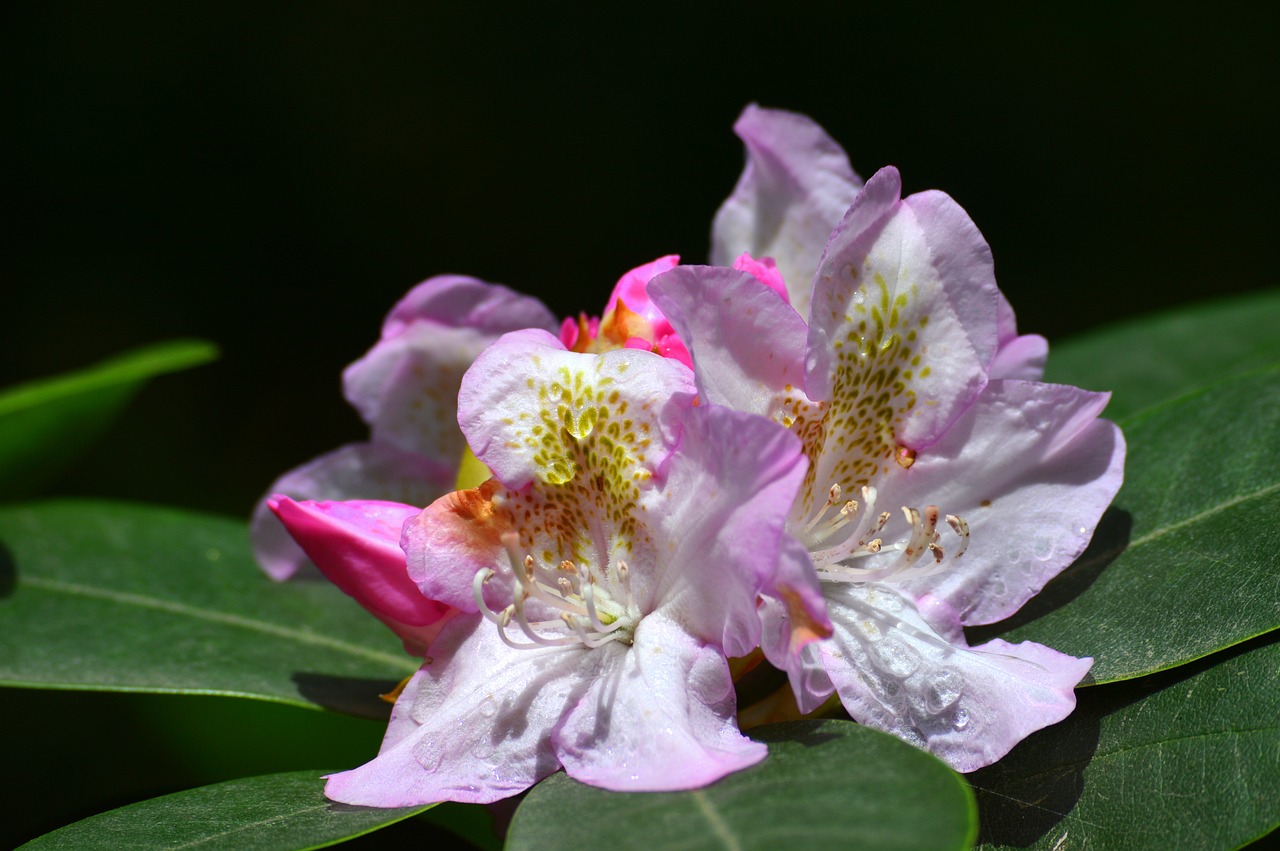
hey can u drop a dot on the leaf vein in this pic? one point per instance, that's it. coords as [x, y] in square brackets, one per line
[223, 618]
[718, 825]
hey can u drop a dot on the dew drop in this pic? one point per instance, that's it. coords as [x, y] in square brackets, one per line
[962, 719]
[1043, 549]
[482, 751]
[896, 658]
[884, 601]
[944, 690]
[910, 735]
[428, 754]
[870, 629]
[488, 707]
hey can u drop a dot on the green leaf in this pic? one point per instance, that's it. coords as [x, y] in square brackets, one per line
[45, 424]
[1184, 564]
[274, 812]
[1153, 359]
[1183, 759]
[825, 784]
[118, 597]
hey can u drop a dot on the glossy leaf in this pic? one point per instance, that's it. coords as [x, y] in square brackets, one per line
[1183, 759]
[1184, 564]
[825, 784]
[1156, 358]
[273, 812]
[120, 597]
[45, 424]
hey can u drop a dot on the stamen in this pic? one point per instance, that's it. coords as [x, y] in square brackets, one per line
[924, 537]
[961, 528]
[587, 584]
[833, 496]
[481, 577]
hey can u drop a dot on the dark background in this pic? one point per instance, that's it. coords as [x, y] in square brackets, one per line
[273, 176]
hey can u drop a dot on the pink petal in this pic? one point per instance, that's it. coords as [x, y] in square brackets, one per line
[356, 544]
[723, 315]
[354, 471]
[473, 725]
[1020, 357]
[658, 716]
[632, 289]
[1031, 469]
[968, 706]
[904, 318]
[406, 387]
[720, 522]
[526, 368]
[458, 301]
[793, 617]
[796, 185]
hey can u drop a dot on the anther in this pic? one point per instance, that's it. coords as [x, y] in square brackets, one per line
[961, 527]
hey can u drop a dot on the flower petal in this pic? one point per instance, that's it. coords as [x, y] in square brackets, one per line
[562, 398]
[1020, 357]
[354, 471]
[793, 616]
[796, 185]
[723, 315]
[356, 545]
[473, 725]
[968, 706]
[720, 521]
[406, 387]
[658, 717]
[458, 301]
[1031, 469]
[903, 326]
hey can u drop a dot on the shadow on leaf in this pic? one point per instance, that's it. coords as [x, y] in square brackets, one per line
[348, 695]
[1029, 792]
[1109, 540]
[1023, 796]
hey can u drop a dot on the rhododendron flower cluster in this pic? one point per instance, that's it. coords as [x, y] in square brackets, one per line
[831, 444]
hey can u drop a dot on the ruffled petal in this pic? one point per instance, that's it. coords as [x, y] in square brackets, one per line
[632, 289]
[968, 706]
[563, 397]
[796, 185]
[406, 387]
[793, 615]
[456, 537]
[458, 301]
[659, 716]
[1031, 469]
[356, 545]
[1019, 357]
[355, 471]
[903, 327]
[723, 315]
[473, 725]
[719, 521]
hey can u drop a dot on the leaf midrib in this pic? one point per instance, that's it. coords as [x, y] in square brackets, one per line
[213, 616]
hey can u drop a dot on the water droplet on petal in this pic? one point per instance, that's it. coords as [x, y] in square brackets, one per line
[896, 658]
[944, 690]
[910, 735]
[962, 719]
[429, 754]
[488, 707]
[870, 629]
